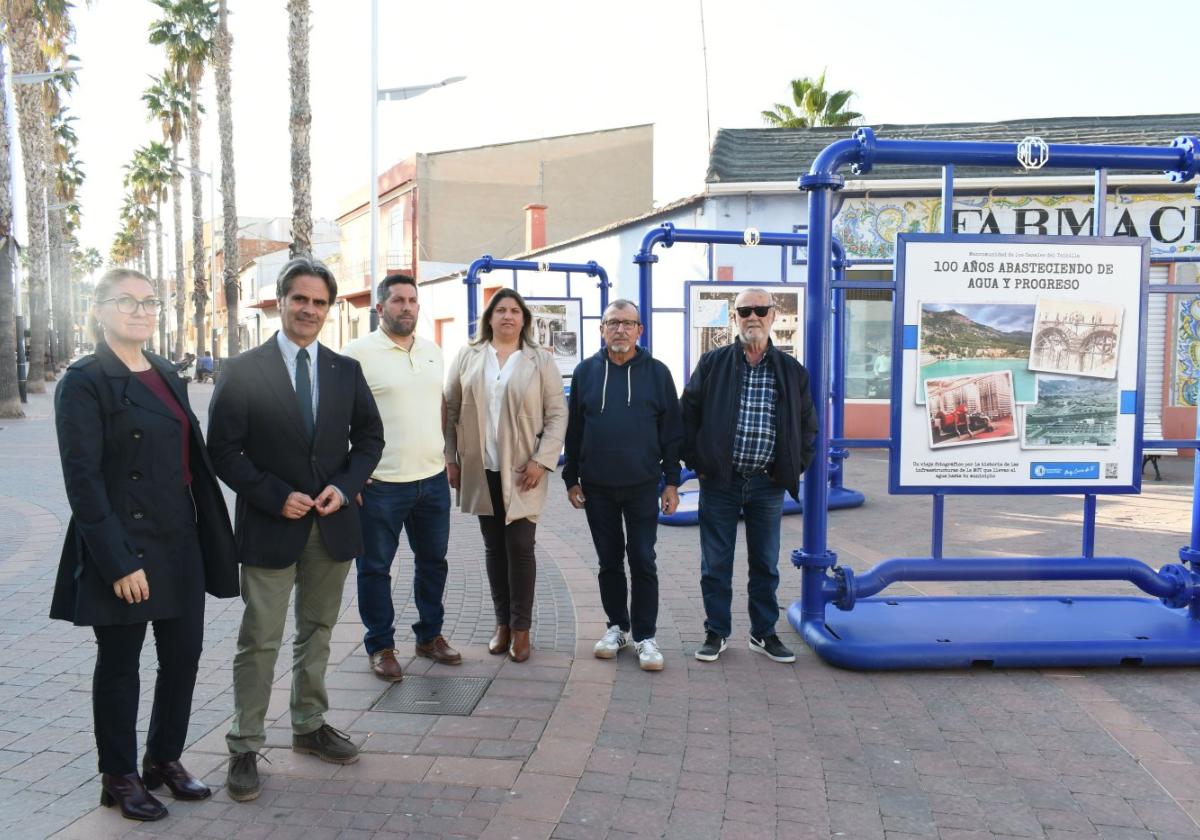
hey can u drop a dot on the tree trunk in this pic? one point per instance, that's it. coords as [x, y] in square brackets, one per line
[160, 287]
[199, 286]
[10, 398]
[27, 58]
[301, 121]
[60, 283]
[229, 275]
[179, 286]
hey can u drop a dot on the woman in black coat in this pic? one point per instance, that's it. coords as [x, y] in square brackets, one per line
[149, 534]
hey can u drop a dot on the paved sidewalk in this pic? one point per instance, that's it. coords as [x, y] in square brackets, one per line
[568, 746]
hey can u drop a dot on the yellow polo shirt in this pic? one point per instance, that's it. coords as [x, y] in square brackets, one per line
[407, 386]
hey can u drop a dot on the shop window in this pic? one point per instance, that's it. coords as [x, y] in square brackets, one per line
[868, 340]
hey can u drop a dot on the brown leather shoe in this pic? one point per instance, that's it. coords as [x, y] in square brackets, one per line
[181, 783]
[519, 650]
[131, 795]
[439, 650]
[500, 640]
[385, 666]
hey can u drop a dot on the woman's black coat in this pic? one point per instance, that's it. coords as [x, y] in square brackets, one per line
[120, 449]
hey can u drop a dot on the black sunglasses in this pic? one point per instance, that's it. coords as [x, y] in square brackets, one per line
[760, 311]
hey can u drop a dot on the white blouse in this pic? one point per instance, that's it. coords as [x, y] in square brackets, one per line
[495, 382]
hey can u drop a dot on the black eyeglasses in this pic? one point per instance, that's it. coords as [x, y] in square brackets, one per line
[128, 305]
[616, 325]
[760, 311]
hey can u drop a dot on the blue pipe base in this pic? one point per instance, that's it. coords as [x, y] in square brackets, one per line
[688, 512]
[882, 634]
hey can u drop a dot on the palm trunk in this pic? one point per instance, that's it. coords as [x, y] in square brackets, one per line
[10, 398]
[301, 121]
[180, 296]
[60, 284]
[160, 288]
[199, 286]
[26, 57]
[224, 50]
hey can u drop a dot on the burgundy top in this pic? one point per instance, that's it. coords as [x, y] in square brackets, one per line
[153, 380]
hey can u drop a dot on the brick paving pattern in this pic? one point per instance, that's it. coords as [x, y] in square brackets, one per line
[567, 746]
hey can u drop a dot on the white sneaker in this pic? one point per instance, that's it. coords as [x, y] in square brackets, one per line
[649, 656]
[612, 641]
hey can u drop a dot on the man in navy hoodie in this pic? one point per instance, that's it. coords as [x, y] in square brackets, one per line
[623, 435]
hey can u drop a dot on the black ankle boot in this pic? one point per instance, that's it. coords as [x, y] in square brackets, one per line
[182, 784]
[128, 791]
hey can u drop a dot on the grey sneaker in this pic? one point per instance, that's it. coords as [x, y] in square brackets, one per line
[613, 641]
[772, 648]
[712, 648]
[327, 744]
[242, 783]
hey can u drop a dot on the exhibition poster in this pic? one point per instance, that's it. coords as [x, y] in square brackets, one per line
[1021, 364]
[557, 327]
[710, 317]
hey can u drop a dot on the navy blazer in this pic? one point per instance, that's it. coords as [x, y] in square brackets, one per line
[260, 448]
[120, 448]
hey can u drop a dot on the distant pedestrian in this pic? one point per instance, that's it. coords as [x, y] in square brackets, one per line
[750, 430]
[624, 431]
[149, 534]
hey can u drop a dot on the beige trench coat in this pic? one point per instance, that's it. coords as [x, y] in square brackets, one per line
[532, 424]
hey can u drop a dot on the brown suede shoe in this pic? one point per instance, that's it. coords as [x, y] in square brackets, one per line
[519, 650]
[439, 650]
[500, 640]
[385, 666]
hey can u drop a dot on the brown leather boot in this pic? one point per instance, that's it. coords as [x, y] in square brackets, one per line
[519, 650]
[127, 791]
[500, 640]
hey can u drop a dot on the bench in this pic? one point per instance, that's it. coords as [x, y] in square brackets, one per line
[1152, 430]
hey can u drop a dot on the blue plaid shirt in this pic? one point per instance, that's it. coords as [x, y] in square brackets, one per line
[754, 436]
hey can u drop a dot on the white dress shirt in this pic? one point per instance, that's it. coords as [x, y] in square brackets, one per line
[495, 383]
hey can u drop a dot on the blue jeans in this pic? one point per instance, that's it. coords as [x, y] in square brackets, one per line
[638, 505]
[720, 503]
[422, 509]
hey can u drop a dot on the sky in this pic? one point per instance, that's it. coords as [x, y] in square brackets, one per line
[546, 67]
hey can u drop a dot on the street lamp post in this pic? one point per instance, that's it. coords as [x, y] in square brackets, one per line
[408, 92]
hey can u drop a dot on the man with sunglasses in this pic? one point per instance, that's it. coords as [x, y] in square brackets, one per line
[750, 430]
[623, 436]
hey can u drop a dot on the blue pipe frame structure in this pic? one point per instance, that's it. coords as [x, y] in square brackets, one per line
[873, 633]
[487, 263]
[668, 235]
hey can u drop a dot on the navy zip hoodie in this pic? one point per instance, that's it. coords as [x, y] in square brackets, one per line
[624, 423]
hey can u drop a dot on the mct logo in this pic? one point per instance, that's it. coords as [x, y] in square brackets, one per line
[1064, 470]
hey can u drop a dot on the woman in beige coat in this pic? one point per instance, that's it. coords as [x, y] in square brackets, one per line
[505, 421]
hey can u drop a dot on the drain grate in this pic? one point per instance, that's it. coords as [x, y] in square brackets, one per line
[417, 695]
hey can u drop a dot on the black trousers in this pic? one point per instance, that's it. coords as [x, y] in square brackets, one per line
[638, 507]
[508, 555]
[116, 685]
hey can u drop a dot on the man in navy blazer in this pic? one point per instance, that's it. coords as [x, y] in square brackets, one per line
[294, 430]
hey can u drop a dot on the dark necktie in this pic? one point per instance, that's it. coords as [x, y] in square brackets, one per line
[304, 391]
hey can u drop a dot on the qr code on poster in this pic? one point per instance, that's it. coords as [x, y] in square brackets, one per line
[1110, 469]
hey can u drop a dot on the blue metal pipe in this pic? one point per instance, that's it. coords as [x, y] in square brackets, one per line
[861, 443]
[948, 199]
[487, 263]
[900, 569]
[1089, 524]
[939, 525]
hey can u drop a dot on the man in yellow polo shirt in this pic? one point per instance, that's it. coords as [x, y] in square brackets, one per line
[408, 490]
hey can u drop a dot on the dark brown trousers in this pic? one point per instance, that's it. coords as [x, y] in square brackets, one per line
[511, 567]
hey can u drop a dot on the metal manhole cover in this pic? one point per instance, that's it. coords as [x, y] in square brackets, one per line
[417, 695]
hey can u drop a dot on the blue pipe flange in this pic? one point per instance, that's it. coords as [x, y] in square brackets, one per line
[1182, 578]
[1190, 555]
[801, 559]
[1191, 159]
[844, 576]
[866, 140]
[821, 180]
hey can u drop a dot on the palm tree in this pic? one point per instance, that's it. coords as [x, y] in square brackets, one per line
[61, 145]
[27, 23]
[186, 32]
[10, 397]
[223, 55]
[148, 175]
[817, 106]
[301, 121]
[167, 103]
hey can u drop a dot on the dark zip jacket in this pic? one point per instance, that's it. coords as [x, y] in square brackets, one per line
[624, 426]
[711, 402]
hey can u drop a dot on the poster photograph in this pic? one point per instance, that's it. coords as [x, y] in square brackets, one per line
[964, 338]
[966, 410]
[1076, 337]
[710, 315]
[557, 323]
[1017, 364]
[1072, 412]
